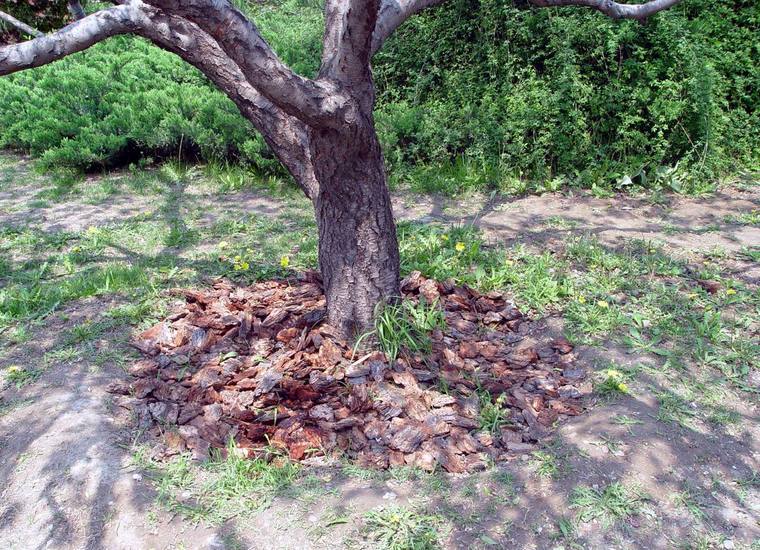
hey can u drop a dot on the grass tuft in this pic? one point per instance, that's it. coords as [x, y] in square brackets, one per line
[401, 528]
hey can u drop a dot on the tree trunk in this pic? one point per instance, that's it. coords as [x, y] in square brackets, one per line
[358, 249]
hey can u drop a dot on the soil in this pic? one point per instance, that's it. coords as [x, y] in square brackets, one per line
[67, 481]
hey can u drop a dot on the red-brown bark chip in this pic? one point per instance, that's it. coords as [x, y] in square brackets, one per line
[259, 365]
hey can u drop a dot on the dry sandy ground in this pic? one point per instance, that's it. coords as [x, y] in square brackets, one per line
[66, 479]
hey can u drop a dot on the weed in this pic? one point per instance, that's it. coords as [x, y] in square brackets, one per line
[674, 408]
[494, 413]
[545, 464]
[226, 486]
[610, 504]
[402, 528]
[689, 500]
[406, 327]
[612, 383]
[21, 376]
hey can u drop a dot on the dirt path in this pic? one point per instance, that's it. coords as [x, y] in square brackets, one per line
[68, 478]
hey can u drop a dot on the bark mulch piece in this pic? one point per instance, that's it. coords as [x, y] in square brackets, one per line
[259, 364]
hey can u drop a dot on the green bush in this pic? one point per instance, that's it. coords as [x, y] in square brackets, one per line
[544, 93]
[475, 94]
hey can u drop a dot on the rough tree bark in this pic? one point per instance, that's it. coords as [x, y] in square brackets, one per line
[321, 129]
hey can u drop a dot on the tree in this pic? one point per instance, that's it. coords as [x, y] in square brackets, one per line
[321, 129]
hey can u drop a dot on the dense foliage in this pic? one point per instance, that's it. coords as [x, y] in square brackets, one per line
[473, 94]
[570, 93]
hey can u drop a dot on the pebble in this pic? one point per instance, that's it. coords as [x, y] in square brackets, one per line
[390, 495]
[728, 544]
[137, 477]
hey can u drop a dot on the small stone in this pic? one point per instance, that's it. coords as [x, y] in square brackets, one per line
[137, 477]
[728, 544]
[390, 495]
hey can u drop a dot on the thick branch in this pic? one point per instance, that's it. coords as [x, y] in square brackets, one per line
[315, 102]
[349, 26]
[20, 25]
[285, 135]
[614, 9]
[392, 14]
[73, 38]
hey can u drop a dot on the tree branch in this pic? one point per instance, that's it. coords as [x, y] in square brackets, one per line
[613, 9]
[73, 38]
[346, 47]
[285, 135]
[20, 25]
[316, 102]
[393, 13]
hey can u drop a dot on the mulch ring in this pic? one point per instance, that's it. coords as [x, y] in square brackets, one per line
[259, 364]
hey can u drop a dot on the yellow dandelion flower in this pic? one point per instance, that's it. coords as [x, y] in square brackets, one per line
[509, 263]
[602, 304]
[730, 291]
[581, 300]
[459, 246]
[444, 238]
[692, 296]
[284, 261]
[13, 369]
[623, 387]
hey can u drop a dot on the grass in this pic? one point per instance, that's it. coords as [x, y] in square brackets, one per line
[690, 500]
[608, 505]
[402, 528]
[635, 294]
[226, 486]
[21, 376]
[405, 328]
[494, 413]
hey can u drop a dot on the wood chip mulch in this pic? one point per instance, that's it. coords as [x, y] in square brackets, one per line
[260, 365]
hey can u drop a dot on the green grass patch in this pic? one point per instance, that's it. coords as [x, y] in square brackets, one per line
[226, 486]
[610, 504]
[403, 528]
